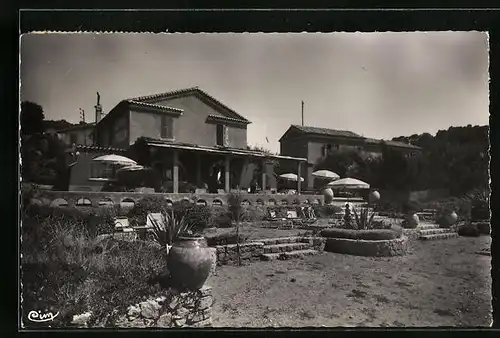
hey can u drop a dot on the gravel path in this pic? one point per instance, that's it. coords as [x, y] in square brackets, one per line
[439, 283]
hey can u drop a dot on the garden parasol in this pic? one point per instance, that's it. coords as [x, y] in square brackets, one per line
[291, 177]
[326, 174]
[115, 159]
[349, 183]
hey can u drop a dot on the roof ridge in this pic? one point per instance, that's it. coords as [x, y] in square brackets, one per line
[187, 90]
[155, 105]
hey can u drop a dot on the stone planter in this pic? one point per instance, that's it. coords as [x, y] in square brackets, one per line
[189, 263]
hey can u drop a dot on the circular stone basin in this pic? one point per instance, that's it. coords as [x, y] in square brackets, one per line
[359, 247]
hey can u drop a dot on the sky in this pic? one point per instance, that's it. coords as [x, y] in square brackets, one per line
[379, 85]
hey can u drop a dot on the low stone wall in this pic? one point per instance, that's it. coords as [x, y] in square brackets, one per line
[249, 252]
[173, 310]
[384, 248]
[102, 199]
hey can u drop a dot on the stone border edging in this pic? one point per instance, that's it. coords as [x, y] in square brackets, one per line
[380, 248]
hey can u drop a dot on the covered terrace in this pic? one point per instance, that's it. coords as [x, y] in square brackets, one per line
[211, 168]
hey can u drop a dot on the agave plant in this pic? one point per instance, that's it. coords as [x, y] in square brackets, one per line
[363, 220]
[169, 229]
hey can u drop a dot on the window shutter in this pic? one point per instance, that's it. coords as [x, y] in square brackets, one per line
[226, 136]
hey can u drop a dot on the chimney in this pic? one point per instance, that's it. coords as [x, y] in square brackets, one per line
[98, 109]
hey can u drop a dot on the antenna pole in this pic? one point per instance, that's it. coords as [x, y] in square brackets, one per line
[302, 113]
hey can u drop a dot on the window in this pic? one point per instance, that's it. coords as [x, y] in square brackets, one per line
[166, 127]
[222, 135]
[101, 171]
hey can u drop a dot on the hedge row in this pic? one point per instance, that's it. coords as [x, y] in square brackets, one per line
[369, 235]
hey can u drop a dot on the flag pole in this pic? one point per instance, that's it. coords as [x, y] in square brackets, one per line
[302, 113]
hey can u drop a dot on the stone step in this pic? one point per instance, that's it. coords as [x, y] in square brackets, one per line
[288, 255]
[279, 240]
[286, 247]
[439, 236]
[435, 231]
[427, 226]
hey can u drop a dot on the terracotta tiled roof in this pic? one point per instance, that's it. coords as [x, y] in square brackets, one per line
[392, 143]
[86, 148]
[326, 131]
[195, 90]
[156, 106]
[221, 150]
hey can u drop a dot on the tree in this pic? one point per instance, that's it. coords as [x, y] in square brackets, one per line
[46, 159]
[31, 118]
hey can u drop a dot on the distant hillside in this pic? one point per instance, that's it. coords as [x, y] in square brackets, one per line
[456, 159]
[468, 135]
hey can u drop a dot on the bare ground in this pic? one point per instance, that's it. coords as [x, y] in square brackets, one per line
[439, 283]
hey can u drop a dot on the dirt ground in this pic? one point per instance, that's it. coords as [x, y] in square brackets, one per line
[439, 283]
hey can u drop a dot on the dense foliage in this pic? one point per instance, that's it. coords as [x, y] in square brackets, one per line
[456, 159]
[67, 269]
[46, 159]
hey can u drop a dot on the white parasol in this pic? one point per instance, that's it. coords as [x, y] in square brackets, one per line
[349, 183]
[115, 159]
[326, 174]
[291, 177]
[133, 167]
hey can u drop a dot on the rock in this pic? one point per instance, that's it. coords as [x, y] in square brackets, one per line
[180, 322]
[82, 319]
[133, 312]
[150, 309]
[165, 320]
[205, 303]
[203, 323]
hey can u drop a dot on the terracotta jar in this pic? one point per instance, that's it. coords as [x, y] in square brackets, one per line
[411, 221]
[451, 218]
[189, 263]
[374, 196]
[328, 195]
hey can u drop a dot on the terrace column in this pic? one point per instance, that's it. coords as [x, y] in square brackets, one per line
[298, 177]
[226, 173]
[198, 170]
[175, 172]
[264, 175]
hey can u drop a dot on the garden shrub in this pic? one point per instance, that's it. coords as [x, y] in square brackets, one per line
[225, 239]
[63, 270]
[96, 221]
[371, 235]
[326, 211]
[468, 230]
[255, 213]
[200, 216]
[389, 207]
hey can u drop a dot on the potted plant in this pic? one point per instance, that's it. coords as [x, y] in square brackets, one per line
[411, 218]
[188, 258]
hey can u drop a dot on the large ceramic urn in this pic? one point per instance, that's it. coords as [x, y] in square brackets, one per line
[189, 263]
[451, 218]
[328, 195]
[374, 196]
[411, 221]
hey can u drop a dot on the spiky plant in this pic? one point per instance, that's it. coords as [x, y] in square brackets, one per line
[169, 229]
[364, 221]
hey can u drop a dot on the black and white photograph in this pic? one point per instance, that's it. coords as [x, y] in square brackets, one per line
[254, 180]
